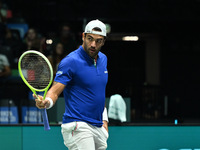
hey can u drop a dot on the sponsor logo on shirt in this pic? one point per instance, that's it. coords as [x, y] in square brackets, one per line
[59, 73]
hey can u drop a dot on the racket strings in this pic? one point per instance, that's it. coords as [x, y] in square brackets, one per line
[35, 70]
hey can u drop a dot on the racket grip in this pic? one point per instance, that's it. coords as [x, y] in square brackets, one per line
[45, 119]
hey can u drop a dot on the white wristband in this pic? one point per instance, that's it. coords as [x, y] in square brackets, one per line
[50, 101]
[105, 114]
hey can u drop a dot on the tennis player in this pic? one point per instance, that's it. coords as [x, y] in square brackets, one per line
[82, 77]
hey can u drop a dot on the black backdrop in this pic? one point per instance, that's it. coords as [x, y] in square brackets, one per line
[176, 22]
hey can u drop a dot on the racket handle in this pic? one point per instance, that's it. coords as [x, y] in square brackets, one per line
[45, 119]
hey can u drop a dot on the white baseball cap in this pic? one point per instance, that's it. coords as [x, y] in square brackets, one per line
[96, 24]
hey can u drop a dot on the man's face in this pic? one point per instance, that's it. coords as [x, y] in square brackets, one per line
[92, 44]
[31, 34]
[65, 32]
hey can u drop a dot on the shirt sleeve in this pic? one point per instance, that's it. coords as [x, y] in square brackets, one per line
[5, 61]
[65, 71]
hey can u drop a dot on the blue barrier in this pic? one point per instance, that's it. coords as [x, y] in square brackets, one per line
[31, 115]
[9, 115]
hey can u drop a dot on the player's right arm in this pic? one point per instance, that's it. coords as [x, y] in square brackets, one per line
[63, 76]
[53, 93]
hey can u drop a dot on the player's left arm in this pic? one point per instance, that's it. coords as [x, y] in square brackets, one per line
[105, 118]
[105, 124]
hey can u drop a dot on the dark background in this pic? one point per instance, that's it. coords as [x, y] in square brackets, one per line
[175, 22]
[172, 16]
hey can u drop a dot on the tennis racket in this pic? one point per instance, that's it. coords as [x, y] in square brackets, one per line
[37, 73]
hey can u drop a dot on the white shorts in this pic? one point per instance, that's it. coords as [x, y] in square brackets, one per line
[83, 136]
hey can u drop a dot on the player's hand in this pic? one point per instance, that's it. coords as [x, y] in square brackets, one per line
[105, 125]
[40, 103]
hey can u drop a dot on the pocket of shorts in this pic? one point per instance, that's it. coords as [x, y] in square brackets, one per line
[67, 132]
[105, 132]
[68, 127]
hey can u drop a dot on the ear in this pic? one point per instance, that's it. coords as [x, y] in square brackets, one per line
[103, 42]
[83, 36]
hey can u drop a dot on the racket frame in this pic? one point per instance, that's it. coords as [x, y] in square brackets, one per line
[34, 90]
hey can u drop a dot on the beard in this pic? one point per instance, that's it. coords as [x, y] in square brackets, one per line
[92, 52]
